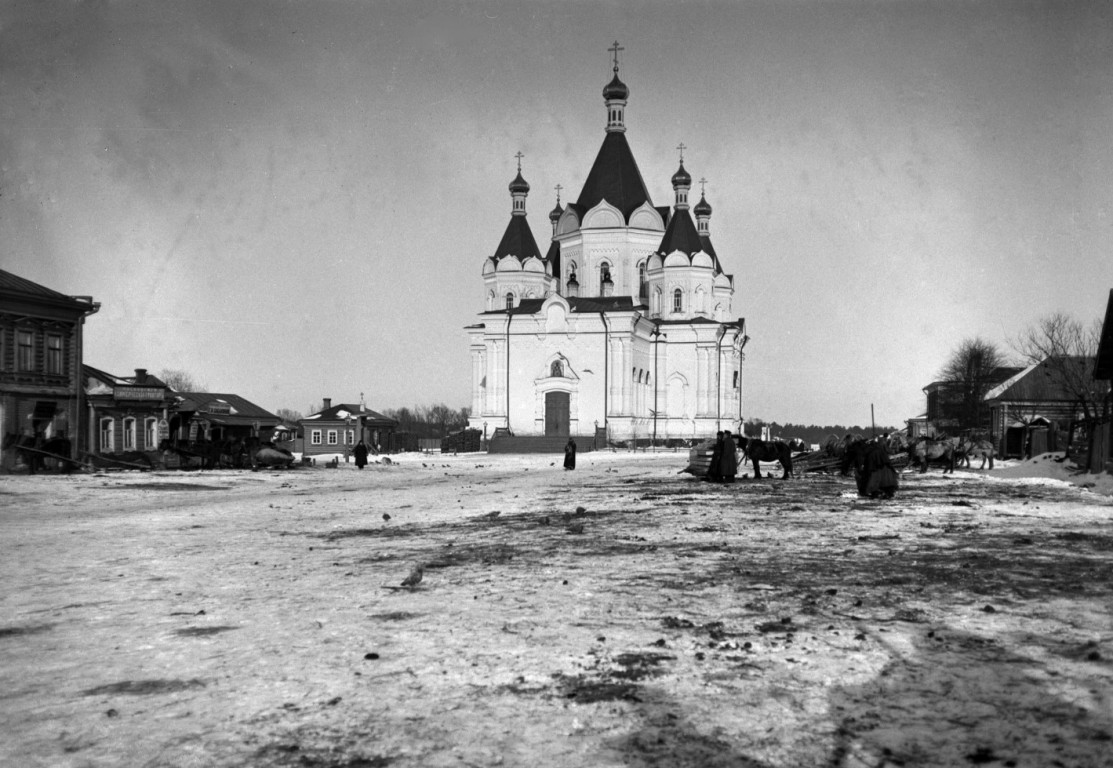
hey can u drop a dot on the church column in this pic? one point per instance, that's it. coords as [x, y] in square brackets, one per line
[627, 376]
[477, 382]
[701, 380]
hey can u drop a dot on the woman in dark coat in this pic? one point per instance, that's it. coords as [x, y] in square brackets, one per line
[876, 476]
[360, 452]
[728, 464]
[570, 454]
[716, 459]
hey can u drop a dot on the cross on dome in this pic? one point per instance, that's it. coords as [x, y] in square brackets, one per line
[681, 147]
[558, 188]
[519, 156]
[702, 186]
[615, 49]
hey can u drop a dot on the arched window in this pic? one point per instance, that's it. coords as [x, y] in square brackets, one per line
[604, 278]
[642, 286]
[678, 300]
[656, 307]
[509, 300]
[150, 433]
[634, 374]
[556, 370]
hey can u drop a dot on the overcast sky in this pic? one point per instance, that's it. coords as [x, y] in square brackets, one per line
[293, 200]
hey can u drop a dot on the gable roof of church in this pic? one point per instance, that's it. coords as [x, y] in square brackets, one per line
[518, 240]
[614, 177]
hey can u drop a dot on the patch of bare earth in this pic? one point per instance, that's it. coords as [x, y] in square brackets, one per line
[617, 615]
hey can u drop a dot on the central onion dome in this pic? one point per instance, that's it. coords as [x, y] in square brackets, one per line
[681, 178]
[616, 89]
[519, 184]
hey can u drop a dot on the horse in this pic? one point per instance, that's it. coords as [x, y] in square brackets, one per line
[759, 450]
[32, 450]
[843, 448]
[925, 449]
[982, 448]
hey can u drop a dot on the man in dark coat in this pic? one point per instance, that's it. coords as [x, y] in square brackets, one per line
[570, 454]
[728, 464]
[360, 452]
[716, 457]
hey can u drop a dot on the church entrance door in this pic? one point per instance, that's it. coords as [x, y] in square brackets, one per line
[556, 413]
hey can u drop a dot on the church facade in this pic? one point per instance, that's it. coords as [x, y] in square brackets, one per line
[624, 326]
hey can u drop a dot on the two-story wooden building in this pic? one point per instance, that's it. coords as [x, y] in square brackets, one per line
[41, 343]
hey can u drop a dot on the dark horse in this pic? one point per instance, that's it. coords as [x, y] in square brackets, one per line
[760, 450]
[33, 450]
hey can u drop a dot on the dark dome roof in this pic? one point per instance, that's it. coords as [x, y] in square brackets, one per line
[616, 89]
[519, 184]
[681, 177]
[703, 208]
[556, 213]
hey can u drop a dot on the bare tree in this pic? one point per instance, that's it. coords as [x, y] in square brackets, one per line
[181, 381]
[1067, 348]
[288, 414]
[969, 374]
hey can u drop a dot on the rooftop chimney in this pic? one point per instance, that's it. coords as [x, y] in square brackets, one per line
[327, 405]
[140, 375]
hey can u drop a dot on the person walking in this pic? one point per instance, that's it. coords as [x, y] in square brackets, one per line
[875, 473]
[360, 452]
[570, 454]
[728, 464]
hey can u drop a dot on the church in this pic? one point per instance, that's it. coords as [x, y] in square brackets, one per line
[623, 329]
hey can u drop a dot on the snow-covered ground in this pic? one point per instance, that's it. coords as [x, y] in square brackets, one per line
[621, 614]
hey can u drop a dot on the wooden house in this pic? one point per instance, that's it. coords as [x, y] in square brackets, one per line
[128, 416]
[337, 428]
[1034, 411]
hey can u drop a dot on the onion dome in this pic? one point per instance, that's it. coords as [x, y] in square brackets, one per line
[681, 178]
[703, 208]
[519, 184]
[616, 89]
[556, 213]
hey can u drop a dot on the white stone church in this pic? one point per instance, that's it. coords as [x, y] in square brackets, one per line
[624, 326]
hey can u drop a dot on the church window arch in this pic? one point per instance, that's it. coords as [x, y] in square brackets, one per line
[556, 370]
[657, 298]
[604, 277]
[509, 300]
[642, 284]
[490, 300]
[678, 300]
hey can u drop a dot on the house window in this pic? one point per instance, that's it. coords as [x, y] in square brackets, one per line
[350, 437]
[25, 351]
[315, 437]
[510, 301]
[150, 433]
[333, 437]
[129, 434]
[54, 353]
[678, 300]
[107, 429]
[556, 370]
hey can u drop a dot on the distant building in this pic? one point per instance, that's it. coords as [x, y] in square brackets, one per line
[952, 410]
[215, 417]
[41, 348]
[337, 428]
[126, 414]
[1103, 371]
[1033, 410]
[623, 328]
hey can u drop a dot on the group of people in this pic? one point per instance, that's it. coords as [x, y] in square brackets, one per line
[873, 470]
[724, 458]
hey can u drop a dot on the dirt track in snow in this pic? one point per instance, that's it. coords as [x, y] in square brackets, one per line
[255, 619]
